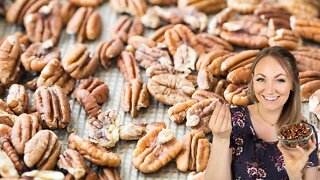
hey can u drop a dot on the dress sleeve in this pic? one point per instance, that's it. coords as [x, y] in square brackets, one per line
[313, 157]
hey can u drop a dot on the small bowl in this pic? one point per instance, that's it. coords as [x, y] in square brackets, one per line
[292, 135]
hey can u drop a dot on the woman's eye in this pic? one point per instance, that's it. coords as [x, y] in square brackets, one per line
[260, 80]
[281, 80]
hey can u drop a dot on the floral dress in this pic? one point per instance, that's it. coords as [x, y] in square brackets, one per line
[253, 158]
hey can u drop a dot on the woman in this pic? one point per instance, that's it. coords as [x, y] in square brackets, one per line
[245, 144]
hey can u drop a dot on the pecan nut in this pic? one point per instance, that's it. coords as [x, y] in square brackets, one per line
[237, 94]
[185, 59]
[86, 23]
[73, 162]
[128, 66]
[206, 6]
[307, 27]
[53, 106]
[79, 62]
[45, 24]
[10, 51]
[307, 58]
[104, 130]
[160, 69]
[53, 74]
[37, 56]
[198, 115]
[91, 3]
[18, 99]
[25, 127]
[178, 112]
[43, 174]
[98, 89]
[241, 75]
[125, 27]
[5, 131]
[285, 38]
[92, 152]
[109, 173]
[109, 50]
[156, 149]
[132, 131]
[6, 146]
[170, 89]
[301, 8]
[213, 43]
[151, 56]
[7, 116]
[133, 7]
[134, 96]
[136, 41]
[7, 168]
[163, 2]
[42, 150]
[200, 95]
[89, 102]
[245, 7]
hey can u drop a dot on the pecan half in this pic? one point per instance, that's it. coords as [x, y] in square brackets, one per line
[72, 161]
[198, 115]
[178, 112]
[133, 7]
[132, 131]
[5, 131]
[241, 75]
[136, 41]
[86, 23]
[307, 27]
[104, 130]
[213, 43]
[79, 62]
[200, 95]
[128, 66]
[206, 6]
[134, 96]
[44, 25]
[92, 152]
[109, 173]
[158, 35]
[25, 127]
[151, 56]
[7, 168]
[42, 150]
[109, 50]
[67, 10]
[244, 6]
[285, 38]
[215, 25]
[53, 106]
[6, 146]
[18, 99]
[301, 8]
[89, 102]
[170, 89]
[237, 94]
[307, 58]
[10, 51]
[95, 87]
[7, 117]
[37, 56]
[125, 27]
[185, 59]
[160, 69]
[53, 74]
[156, 149]
[86, 2]
[43, 174]
[163, 2]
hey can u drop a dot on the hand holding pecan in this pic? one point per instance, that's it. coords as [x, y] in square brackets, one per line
[134, 96]
[156, 149]
[53, 106]
[72, 161]
[109, 50]
[18, 99]
[42, 150]
[79, 62]
[92, 152]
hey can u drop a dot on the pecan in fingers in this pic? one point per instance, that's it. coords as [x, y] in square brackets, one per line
[128, 66]
[18, 99]
[79, 63]
[72, 161]
[7, 116]
[92, 152]
[109, 50]
[53, 105]
[134, 96]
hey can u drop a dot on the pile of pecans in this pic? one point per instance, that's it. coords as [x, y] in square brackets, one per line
[296, 132]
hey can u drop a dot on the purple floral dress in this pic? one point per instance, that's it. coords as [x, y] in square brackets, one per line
[252, 158]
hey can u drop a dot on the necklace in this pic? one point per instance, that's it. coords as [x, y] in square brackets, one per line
[264, 119]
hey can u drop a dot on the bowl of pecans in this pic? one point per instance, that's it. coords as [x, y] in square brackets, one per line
[293, 135]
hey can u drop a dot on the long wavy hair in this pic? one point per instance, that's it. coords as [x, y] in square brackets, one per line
[291, 112]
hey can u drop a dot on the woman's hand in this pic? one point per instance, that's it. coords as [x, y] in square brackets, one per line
[220, 122]
[196, 176]
[296, 159]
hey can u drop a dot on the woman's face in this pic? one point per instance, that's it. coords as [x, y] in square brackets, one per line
[271, 84]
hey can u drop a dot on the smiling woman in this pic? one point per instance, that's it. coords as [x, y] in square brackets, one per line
[245, 143]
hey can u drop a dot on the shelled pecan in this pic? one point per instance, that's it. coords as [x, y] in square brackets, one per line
[109, 173]
[178, 112]
[243, 6]
[206, 6]
[7, 168]
[306, 27]
[80, 63]
[25, 127]
[92, 152]
[170, 89]
[92, 3]
[200, 95]
[6, 146]
[136, 131]
[43, 174]
[132, 7]
[104, 130]
[241, 59]
[213, 43]
[195, 152]
[134, 96]
[198, 115]
[7, 116]
[307, 58]
[136, 41]
[310, 83]
[5, 131]
[72, 161]
[10, 51]
[158, 35]
[215, 25]
[23, 39]
[86, 23]
[89, 102]
[160, 69]
[44, 25]
[151, 56]
[42, 150]
[54, 74]
[303, 8]
[109, 50]
[185, 59]
[241, 75]
[125, 27]
[156, 149]
[53, 106]
[98, 89]
[67, 10]
[18, 99]
[128, 66]
[237, 95]
[285, 38]
[37, 56]
[163, 2]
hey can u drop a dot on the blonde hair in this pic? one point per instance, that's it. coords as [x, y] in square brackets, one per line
[291, 112]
